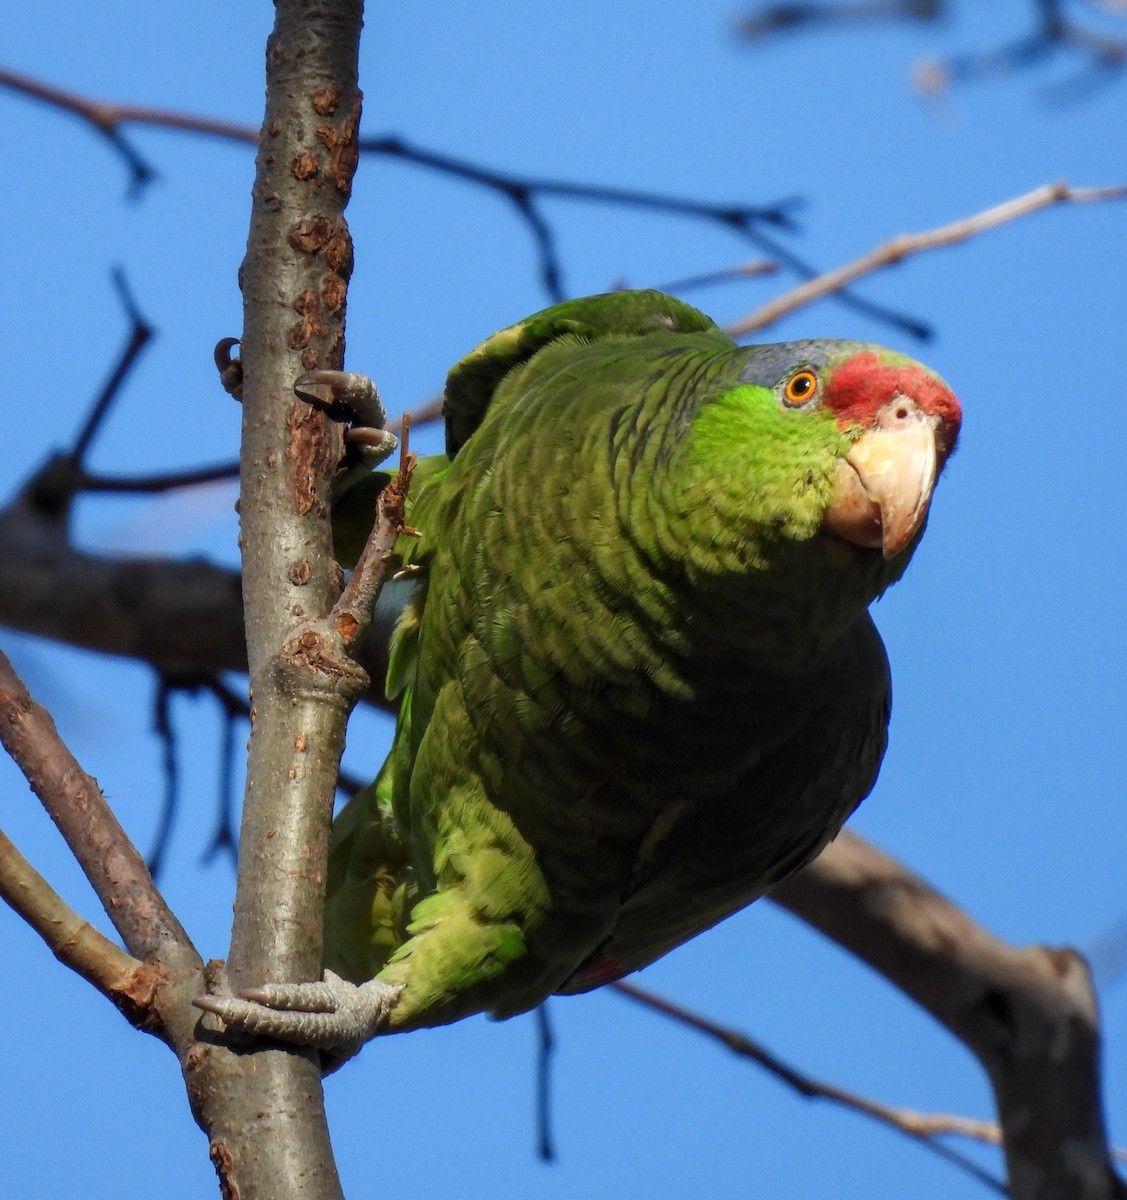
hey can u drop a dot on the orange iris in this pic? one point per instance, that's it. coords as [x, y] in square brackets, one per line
[800, 387]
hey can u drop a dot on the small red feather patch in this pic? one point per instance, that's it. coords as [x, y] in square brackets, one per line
[865, 383]
[598, 971]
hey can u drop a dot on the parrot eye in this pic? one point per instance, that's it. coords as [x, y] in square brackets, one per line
[800, 387]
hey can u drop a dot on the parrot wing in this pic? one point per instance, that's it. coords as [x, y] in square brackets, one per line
[472, 381]
[700, 865]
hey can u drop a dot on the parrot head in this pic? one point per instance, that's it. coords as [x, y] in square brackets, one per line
[903, 422]
[814, 469]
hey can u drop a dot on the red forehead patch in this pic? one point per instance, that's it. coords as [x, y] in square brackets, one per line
[865, 383]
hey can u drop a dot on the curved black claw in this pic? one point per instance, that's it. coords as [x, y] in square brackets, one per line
[344, 396]
[351, 399]
[229, 366]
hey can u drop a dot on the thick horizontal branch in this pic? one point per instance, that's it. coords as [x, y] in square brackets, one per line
[184, 618]
[178, 616]
[898, 248]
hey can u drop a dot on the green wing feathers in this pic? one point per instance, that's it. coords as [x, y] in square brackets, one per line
[471, 383]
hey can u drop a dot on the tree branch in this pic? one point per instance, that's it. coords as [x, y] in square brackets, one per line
[160, 481]
[898, 248]
[174, 615]
[1054, 33]
[352, 613]
[523, 192]
[155, 995]
[707, 279]
[107, 117]
[768, 20]
[126, 981]
[269, 1135]
[1028, 1014]
[180, 617]
[75, 803]
[427, 412]
[923, 1127]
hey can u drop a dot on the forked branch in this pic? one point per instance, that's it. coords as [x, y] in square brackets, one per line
[126, 981]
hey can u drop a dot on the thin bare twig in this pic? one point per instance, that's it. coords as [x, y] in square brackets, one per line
[54, 485]
[748, 270]
[771, 19]
[545, 1054]
[235, 708]
[1054, 33]
[163, 481]
[523, 192]
[923, 1127]
[430, 410]
[165, 732]
[898, 248]
[140, 332]
[107, 117]
[352, 613]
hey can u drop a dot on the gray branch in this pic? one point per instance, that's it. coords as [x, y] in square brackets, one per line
[182, 617]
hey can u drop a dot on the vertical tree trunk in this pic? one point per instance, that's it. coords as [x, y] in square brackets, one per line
[268, 1136]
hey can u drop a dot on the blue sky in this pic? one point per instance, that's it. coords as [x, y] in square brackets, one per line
[1005, 777]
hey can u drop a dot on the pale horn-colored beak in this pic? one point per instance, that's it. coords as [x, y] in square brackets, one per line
[883, 485]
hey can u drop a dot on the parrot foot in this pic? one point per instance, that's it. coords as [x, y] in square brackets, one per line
[352, 399]
[334, 1015]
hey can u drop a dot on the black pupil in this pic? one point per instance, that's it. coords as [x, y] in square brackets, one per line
[801, 385]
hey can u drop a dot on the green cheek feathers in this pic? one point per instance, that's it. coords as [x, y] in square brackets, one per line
[766, 470]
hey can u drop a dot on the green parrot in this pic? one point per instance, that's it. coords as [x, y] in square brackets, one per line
[638, 682]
